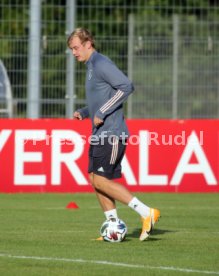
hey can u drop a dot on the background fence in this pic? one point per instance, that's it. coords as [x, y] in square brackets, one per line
[168, 48]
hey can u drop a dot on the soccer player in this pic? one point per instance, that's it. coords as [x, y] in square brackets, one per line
[107, 88]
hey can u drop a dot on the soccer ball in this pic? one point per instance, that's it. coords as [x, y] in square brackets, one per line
[113, 230]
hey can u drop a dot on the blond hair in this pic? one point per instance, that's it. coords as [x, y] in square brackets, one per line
[83, 34]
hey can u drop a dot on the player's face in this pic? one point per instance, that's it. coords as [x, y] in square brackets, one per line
[80, 51]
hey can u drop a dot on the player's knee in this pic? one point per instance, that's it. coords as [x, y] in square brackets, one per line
[98, 182]
[91, 178]
[94, 180]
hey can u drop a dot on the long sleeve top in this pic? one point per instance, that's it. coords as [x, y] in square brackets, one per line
[107, 88]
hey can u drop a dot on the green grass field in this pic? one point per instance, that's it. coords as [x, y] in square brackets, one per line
[39, 236]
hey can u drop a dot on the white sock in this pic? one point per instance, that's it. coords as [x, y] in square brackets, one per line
[111, 214]
[139, 207]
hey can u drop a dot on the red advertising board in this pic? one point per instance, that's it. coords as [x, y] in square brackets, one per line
[162, 156]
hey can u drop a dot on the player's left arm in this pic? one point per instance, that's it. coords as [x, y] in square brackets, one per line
[121, 84]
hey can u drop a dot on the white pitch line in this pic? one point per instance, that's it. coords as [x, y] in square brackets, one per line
[43, 231]
[170, 268]
[82, 231]
[162, 208]
[63, 208]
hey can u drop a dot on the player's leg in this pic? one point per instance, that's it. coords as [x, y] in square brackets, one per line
[117, 191]
[112, 189]
[97, 164]
[106, 165]
[106, 202]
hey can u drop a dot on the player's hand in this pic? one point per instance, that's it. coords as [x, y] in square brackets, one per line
[97, 121]
[77, 115]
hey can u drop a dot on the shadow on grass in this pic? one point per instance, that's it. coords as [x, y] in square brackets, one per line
[136, 233]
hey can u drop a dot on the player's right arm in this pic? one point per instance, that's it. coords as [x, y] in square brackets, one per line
[81, 113]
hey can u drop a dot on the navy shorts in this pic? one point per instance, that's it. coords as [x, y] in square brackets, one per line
[105, 158]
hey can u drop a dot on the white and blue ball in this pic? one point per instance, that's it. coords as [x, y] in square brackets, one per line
[113, 230]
